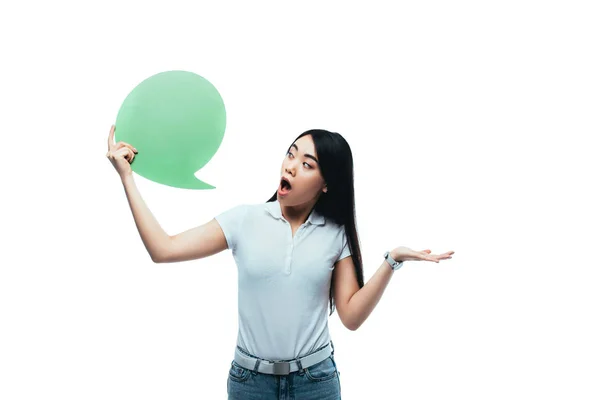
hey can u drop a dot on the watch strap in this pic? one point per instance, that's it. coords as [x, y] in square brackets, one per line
[395, 265]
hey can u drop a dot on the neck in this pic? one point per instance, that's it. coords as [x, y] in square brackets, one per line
[298, 214]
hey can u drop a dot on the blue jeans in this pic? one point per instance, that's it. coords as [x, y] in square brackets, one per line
[320, 381]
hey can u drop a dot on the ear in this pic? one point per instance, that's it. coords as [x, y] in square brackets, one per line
[325, 189]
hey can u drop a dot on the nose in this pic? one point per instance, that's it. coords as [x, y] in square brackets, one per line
[290, 168]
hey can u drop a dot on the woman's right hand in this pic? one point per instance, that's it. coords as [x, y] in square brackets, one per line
[120, 154]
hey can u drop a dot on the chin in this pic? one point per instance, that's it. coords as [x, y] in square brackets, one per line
[290, 201]
[284, 199]
[293, 202]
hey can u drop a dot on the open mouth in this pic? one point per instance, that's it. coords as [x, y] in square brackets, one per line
[284, 186]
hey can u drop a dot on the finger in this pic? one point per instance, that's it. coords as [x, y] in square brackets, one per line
[428, 258]
[127, 154]
[123, 152]
[111, 136]
[123, 144]
[130, 155]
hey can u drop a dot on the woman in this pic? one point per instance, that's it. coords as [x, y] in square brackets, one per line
[295, 254]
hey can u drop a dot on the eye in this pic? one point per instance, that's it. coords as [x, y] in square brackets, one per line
[309, 166]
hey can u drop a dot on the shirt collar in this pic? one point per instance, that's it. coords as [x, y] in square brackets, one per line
[274, 208]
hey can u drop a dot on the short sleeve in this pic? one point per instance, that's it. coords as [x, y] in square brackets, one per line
[231, 223]
[345, 250]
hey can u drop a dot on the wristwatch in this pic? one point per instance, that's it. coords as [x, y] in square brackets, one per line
[393, 263]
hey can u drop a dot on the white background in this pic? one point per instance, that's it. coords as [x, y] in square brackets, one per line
[471, 126]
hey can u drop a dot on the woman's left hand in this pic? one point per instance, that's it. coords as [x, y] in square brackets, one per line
[405, 254]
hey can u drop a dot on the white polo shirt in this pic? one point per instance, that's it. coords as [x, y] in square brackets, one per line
[283, 282]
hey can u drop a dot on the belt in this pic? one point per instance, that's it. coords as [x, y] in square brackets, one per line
[281, 367]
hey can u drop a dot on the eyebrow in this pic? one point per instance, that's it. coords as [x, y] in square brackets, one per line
[305, 155]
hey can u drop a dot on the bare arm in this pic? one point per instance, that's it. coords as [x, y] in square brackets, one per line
[195, 243]
[198, 242]
[354, 305]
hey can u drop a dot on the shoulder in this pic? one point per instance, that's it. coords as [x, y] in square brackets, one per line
[233, 222]
[334, 229]
[234, 214]
[334, 226]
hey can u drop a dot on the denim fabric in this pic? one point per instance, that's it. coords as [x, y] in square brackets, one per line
[319, 382]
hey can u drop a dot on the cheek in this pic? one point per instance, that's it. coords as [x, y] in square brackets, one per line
[313, 183]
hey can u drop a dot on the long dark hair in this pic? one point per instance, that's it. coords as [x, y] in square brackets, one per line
[337, 168]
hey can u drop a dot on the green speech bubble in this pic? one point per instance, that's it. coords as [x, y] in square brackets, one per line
[176, 121]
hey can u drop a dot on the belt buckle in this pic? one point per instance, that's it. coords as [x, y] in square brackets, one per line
[281, 368]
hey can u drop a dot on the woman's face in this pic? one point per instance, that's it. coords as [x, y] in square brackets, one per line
[301, 168]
